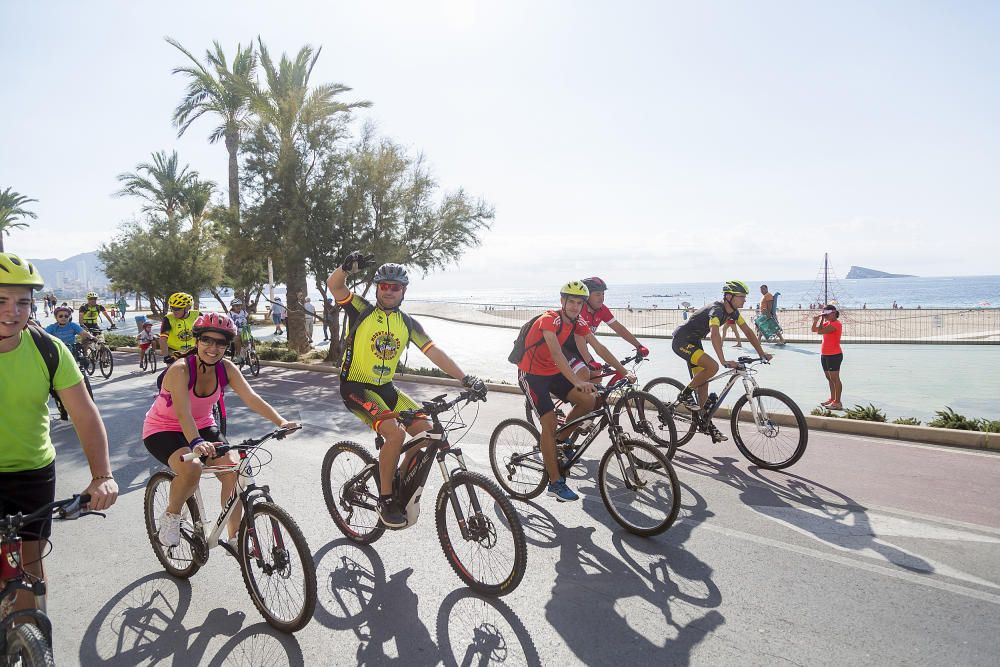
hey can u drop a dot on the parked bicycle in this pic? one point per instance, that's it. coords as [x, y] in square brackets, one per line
[768, 427]
[100, 356]
[479, 531]
[29, 643]
[637, 481]
[273, 554]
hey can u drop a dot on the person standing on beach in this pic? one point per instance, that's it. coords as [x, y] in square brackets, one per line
[828, 325]
[766, 308]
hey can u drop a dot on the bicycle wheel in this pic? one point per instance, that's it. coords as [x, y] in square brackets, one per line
[90, 362]
[516, 459]
[220, 419]
[646, 415]
[351, 491]
[529, 412]
[178, 561]
[771, 432]
[143, 361]
[254, 362]
[490, 557]
[106, 361]
[278, 568]
[667, 389]
[639, 487]
[26, 646]
[152, 362]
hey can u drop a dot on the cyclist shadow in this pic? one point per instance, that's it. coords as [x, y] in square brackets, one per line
[477, 630]
[592, 578]
[144, 622]
[805, 506]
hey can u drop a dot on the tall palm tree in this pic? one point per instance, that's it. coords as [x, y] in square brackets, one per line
[197, 200]
[215, 88]
[12, 209]
[162, 183]
[286, 111]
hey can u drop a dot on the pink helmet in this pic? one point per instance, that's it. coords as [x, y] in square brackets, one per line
[214, 322]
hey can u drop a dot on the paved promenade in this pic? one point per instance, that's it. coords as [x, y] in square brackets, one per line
[866, 552]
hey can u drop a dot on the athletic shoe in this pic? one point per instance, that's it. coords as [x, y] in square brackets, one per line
[169, 533]
[834, 406]
[561, 492]
[714, 433]
[390, 513]
[234, 544]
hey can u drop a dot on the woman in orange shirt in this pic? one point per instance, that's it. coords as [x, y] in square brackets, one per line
[828, 324]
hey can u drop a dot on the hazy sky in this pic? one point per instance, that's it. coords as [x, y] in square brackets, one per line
[643, 141]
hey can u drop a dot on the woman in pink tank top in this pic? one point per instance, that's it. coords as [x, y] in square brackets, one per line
[180, 419]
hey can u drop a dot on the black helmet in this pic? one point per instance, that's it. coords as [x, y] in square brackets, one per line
[595, 284]
[392, 273]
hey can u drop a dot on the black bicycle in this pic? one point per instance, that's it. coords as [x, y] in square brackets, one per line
[28, 643]
[100, 356]
[637, 481]
[479, 531]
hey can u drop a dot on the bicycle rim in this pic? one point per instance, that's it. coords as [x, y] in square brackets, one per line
[516, 459]
[26, 646]
[491, 557]
[667, 390]
[350, 499]
[776, 436]
[178, 561]
[254, 364]
[277, 567]
[639, 487]
[107, 361]
[641, 413]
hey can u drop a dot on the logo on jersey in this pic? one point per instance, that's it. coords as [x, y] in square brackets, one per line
[385, 345]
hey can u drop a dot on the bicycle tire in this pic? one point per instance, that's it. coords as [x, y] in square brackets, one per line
[26, 646]
[487, 530]
[220, 419]
[142, 362]
[254, 363]
[152, 361]
[280, 567]
[771, 430]
[107, 361]
[186, 566]
[521, 442]
[529, 412]
[647, 416]
[368, 527]
[90, 362]
[654, 467]
[666, 389]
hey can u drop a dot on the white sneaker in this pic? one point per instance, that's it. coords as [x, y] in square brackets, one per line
[234, 543]
[169, 533]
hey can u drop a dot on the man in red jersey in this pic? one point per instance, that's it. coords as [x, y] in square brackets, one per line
[593, 314]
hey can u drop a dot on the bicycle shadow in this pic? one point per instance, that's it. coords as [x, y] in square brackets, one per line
[476, 630]
[805, 506]
[259, 644]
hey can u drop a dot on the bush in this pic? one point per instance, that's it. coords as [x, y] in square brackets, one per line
[988, 425]
[430, 372]
[118, 340]
[289, 355]
[948, 418]
[822, 412]
[907, 421]
[868, 413]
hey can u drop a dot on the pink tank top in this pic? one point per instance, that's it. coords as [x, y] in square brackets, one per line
[163, 417]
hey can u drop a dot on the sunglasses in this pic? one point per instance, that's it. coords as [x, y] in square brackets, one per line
[62, 317]
[390, 287]
[213, 341]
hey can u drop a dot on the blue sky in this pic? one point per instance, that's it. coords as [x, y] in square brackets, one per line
[643, 141]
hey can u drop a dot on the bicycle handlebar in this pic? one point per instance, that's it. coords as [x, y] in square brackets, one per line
[437, 405]
[68, 509]
[249, 443]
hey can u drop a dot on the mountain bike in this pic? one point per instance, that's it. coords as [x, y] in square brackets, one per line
[148, 359]
[100, 356]
[768, 427]
[635, 478]
[650, 423]
[272, 551]
[249, 352]
[479, 531]
[29, 643]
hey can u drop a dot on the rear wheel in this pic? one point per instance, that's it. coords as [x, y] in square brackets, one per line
[26, 646]
[90, 361]
[350, 489]
[771, 430]
[639, 487]
[220, 419]
[516, 459]
[254, 362]
[178, 561]
[641, 413]
[667, 390]
[106, 360]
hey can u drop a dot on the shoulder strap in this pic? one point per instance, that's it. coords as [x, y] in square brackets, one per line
[47, 347]
[362, 316]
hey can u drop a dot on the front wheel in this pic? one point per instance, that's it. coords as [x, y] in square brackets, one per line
[639, 487]
[26, 646]
[143, 359]
[667, 390]
[481, 534]
[516, 459]
[106, 360]
[152, 361]
[220, 419]
[278, 567]
[770, 429]
[644, 414]
[254, 362]
[178, 561]
[350, 489]
[90, 362]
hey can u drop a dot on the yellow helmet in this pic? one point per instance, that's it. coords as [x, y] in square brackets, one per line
[575, 288]
[19, 272]
[91, 295]
[180, 300]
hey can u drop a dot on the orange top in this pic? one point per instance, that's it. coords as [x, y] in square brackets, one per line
[831, 341]
[537, 359]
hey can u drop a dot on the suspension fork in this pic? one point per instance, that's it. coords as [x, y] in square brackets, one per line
[758, 411]
[453, 495]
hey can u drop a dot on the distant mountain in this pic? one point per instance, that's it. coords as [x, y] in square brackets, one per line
[81, 271]
[862, 272]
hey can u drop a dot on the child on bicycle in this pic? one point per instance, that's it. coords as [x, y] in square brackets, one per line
[180, 420]
[66, 330]
[239, 316]
[146, 338]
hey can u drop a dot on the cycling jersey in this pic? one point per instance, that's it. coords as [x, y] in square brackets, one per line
[240, 319]
[177, 331]
[378, 341]
[67, 333]
[593, 318]
[91, 315]
[699, 324]
[144, 338]
[537, 359]
[24, 404]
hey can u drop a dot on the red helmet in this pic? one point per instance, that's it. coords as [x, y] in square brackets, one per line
[214, 322]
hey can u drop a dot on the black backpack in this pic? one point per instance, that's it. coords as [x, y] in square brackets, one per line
[46, 346]
[519, 350]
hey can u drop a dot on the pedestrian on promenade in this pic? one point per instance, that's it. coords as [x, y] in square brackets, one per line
[277, 315]
[329, 316]
[310, 317]
[828, 325]
[766, 308]
[122, 307]
[730, 324]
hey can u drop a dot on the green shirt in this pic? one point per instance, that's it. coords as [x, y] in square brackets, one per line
[25, 443]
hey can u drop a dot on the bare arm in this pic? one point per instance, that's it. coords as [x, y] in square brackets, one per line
[94, 442]
[605, 354]
[752, 337]
[337, 282]
[444, 362]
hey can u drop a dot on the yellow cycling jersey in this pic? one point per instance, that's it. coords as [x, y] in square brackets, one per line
[178, 332]
[378, 342]
[91, 314]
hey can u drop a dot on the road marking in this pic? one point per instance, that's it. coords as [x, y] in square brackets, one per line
[901, 443]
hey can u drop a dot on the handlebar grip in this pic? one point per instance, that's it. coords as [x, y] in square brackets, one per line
[190, 456]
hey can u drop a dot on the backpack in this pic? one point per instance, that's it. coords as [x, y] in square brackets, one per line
[46, 346]
[519, 350]
[191, 361]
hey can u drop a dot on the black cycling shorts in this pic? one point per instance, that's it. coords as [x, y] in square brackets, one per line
[690, 351]
[368, 402]
[831, 362]
[164, 443]
[25, 492]
[539, 390]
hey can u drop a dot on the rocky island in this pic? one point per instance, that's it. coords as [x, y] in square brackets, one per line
[862, 272]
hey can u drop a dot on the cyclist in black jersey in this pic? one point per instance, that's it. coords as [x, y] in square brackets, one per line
[687, 343]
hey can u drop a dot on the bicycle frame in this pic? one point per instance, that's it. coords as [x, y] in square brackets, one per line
[743, 372]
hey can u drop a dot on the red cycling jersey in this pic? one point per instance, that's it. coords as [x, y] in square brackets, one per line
[537, 359]
[593, 318]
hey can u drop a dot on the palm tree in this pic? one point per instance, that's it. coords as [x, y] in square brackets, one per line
[197, 200]
[12, 209]
[286, 111]
[161, 183]
[225, 93]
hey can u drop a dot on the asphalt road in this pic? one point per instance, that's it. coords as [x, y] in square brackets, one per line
[865, 552]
